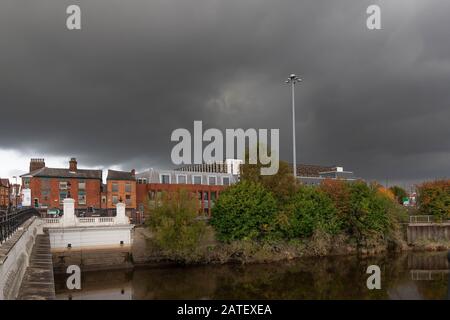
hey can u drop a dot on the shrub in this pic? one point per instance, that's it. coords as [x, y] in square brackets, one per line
[174, 223]
[281, 185]
[434, 198]
[310, 210]
[399, 193]
[365, 211]
[244, 211]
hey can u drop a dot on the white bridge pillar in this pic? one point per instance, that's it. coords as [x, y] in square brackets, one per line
[68, 218]
[121, 217]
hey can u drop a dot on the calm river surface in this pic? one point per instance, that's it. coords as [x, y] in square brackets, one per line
[405, 276]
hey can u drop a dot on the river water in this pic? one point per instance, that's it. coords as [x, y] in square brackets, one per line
[405, 276]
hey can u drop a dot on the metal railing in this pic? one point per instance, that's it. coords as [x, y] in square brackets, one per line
[11, 221]
[421, 219]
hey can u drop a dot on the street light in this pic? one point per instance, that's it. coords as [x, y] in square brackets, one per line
[292, 80]
[15, 191]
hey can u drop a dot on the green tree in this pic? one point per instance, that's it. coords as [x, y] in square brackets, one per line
[434, 199]
[244, 211]
[175, 224]
[281, 185]
[310, 210]
[399, 193]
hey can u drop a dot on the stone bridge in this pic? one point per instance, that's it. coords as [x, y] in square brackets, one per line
[30, 245]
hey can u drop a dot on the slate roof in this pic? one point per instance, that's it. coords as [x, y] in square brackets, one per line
[120, 175]
[65, 173]
[4, 182]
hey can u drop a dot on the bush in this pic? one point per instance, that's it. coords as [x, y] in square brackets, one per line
[399, 193]
[282, 184]
[434, 199]
[310, 210]
[365, 211]
[174, 223]
[244, 211]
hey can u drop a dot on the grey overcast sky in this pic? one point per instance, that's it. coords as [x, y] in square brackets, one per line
[375, 102]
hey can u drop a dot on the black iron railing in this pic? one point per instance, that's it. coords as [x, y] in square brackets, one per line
[11, 221]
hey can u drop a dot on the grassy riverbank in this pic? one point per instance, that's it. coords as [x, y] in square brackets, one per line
[211, 251]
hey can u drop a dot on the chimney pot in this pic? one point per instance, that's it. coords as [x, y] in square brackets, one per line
[36, 164]
[73, 165]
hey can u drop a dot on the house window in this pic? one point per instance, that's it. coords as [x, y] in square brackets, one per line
[115, 187]
[226, 181]
[115, 199]
[212, 180]
[103, 199]
[142, 181]
[63, 185]
[197, 179]
[165, 178]
[62, 196]
[81, 198]
[26, 182]
[128, 200]
[128, 187]
[82, 185]
[181, 179]
[45, 195]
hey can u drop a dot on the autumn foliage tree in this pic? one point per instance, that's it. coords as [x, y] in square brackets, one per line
[434, 198]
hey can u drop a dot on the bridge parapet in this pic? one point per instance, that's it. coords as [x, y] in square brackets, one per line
[69, 219]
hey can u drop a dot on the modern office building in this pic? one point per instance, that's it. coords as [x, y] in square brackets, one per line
[314, 174]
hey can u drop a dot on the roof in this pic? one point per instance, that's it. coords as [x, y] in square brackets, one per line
[120, 175]
[4, 182]
[65, 173]
[308, 170]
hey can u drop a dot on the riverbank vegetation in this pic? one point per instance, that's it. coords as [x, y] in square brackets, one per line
[434, 199]
[357, 214]
[270, 218]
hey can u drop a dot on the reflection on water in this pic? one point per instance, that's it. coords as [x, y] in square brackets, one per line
[405, 276]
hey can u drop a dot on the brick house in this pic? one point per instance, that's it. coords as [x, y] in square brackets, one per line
[206, 186]
[121, 187]
[5, 190]
[50, 186]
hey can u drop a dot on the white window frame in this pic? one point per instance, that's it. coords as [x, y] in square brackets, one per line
[182, 175]
[229, 181]
[215, 177]
[63, 182]
[197, 175]
[82, 202]
[165, 174]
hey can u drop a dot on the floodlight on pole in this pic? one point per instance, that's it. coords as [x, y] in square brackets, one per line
[292, 80]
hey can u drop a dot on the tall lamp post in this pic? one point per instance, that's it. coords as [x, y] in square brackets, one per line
[15, 191]
[292, 80]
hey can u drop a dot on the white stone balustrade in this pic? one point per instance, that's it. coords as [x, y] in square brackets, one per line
[69, 219]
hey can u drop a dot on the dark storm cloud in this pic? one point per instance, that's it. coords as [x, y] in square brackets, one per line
[376, 102]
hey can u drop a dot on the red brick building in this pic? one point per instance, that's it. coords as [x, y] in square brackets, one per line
[50, 186]
[121, 187]
[4, 193]
[206, 186]
[206, 194]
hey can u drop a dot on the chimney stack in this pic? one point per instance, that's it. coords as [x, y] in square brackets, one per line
[73, 165]
[36, 163]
